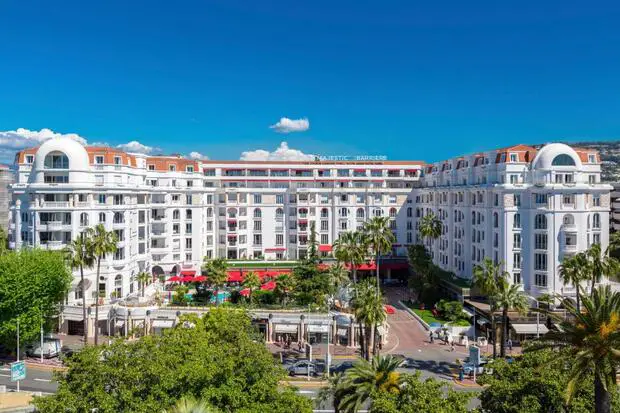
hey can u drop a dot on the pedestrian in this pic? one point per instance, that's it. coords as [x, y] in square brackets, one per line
[510, 345]
[430, 337]
[461, 374]
[451, 345]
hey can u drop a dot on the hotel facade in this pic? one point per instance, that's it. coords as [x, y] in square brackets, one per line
[523, 207]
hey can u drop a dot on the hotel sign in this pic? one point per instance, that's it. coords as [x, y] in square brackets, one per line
[351, 158]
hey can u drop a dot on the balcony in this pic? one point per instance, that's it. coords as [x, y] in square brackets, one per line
[55, 204]
[570, 248]
[53, 245]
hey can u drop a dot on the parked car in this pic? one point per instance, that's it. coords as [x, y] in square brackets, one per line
[303, 368]
[51, 348]
[341, 368]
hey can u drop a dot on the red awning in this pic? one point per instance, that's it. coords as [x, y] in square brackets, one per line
[232, 219]
[188, 272]
[364, 267]
[200, 278]
[187, 279]
[232, 235]
[411, 170]
[359, 170]
[234, 276]
[325, 248]
[270, 286]
[174, 279]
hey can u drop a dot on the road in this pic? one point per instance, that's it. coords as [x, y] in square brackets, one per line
[37, 380]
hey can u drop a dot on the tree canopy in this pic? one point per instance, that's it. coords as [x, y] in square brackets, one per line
[32, 284]
[219, 360]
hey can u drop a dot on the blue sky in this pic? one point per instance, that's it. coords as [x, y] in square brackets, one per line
[410, 80]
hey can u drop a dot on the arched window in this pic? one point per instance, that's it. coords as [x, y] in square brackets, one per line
[360, 213]
[279, 214]
[176, 214]
[540, 222]
[392, 212]
[257, 213]
[119, 218]
[473, 217]
[516, 223]
[56, 160]
[324, 213]
[378, 212]
[563, 160]
[495, 220]
[409, 212]
[344, 212]
[596, 221]
[83, 219]
[102, 217]
[209, 212]
[569, 219]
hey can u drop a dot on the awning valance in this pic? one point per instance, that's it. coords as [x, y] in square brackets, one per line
[316, 328]
[325, 248]
[530, 328]
[285, 328]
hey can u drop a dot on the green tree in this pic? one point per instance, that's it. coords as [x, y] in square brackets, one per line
[509, 297]
[367, 305]
[430, 226]
[32, 284]
[251, 282]
[217, 273]
[79, 255]
[180, 292]
[221, 360]
[487, 277]
[380, 239]
[338, 275]
[416, 395]
[143, 278]
[367, 377]
[425, 280]
[102, 243]
[285, 284]
[536, 382]
[574, 270]
[4, 241]
[350, 248]
[592, 342]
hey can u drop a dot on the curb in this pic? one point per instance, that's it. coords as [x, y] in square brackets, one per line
[43, 367]
[304, 383]
[417, 317]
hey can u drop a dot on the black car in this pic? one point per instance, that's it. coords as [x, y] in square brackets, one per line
[341, 368]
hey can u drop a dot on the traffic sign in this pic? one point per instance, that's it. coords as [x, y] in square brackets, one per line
[18, 371]
[474, 355]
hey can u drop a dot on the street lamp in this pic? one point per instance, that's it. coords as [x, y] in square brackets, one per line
[537, 316]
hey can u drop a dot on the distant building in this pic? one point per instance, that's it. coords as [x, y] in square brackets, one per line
[7, 177]
[614, 216]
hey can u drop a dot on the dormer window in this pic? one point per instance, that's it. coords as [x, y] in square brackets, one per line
[117, 160]
[591, 158]
[99, 159]
[514, 157]
[190, 168]
[172, 168]
[29, 159]
[151, 167]
[502, 158]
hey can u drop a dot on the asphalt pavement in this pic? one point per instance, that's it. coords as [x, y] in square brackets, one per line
[37, 380]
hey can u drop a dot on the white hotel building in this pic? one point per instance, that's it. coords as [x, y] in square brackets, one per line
[525, 208]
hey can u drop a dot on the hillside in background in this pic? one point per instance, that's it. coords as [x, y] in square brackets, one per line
[610, 155]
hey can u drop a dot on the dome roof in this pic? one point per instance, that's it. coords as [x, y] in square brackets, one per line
[78, 157]
[556, 154]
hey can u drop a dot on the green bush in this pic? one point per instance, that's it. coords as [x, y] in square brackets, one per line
[264, 297]
[450, 310]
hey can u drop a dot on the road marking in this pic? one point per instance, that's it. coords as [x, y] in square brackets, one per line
[43, 380]
[5, 375]
[4, 369]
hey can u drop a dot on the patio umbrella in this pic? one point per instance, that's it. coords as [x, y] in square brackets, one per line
[200, 278]
[245, 292]
[187, 279]
[175, 279]
[270, 286]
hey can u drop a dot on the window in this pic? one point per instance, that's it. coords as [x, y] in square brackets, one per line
[516, 240]
[559, 178]
[101, 217]
[172, 168]
[591, 179]
[540, 241]
[540, 222]
[568, 220]
[540, 280]
[188, 228]
[516, 222]
[29, 159]
[83, 219]
[188, 214]
[568, 200]
[359, 214]
[119, 218]
[516, 278]
[540, 198]
[392, 212]
[360, 199]
[257, 225]
[591, 158]
[516, 259]
[495, 220]
[258, 239]
[279, 239]
[279, 199]
[596, 221]
[596, 201]
[343, 212]
[517, 199]
[119, 254]
[496, 200]
[258, 199]
[190, 169]
[279, 214]
[117, 160]
[343, 225]
[563, 160]
[257, 213]
[324, 225]
[101, 198]
[392, 199]
[324, 213]
[596, 238]
[188, 243]
[513, 157]
[176, 229]
[176, 214]
[540, 262]
[56, 160]
[324, 239]
[151, 167]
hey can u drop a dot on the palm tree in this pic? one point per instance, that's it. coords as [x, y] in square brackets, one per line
[431, 226]
[251, 282]
[365, 378]
[367, 305]
[487, 277]
[285, 284]
[592, 340]
[334, 392]
[351, 249]
[574, 270]
[338, 275]
[102, 243]
[600, 265]
[191, 405]
[217, 273]
[79, 256]
[143, 278]
[509, 296]
[380, 238]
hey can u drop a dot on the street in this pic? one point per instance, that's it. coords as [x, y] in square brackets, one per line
[37, 380]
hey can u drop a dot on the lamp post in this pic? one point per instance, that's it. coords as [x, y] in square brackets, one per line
[41, 337]
[18, 350]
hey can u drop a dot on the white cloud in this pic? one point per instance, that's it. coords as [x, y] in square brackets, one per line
[286, 125]
[14, 140]
[137, 147]
[197, 156]
[282, 153]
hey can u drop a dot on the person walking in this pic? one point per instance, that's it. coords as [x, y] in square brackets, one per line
[430, 337]
[510, 345]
